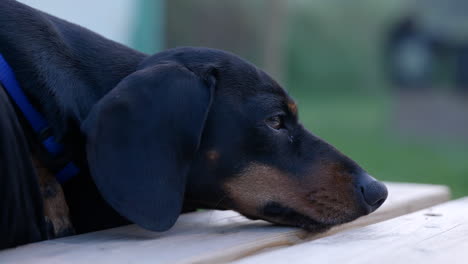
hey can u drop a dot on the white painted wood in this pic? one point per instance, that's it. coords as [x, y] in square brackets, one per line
[204, 237]
[429, 236]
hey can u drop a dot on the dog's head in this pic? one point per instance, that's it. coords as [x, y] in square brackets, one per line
[204, 127]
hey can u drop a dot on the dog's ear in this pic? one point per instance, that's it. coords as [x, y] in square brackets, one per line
[142, 137]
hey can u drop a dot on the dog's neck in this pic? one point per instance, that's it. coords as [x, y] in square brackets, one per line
[50, 60]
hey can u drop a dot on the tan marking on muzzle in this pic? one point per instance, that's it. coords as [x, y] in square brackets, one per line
[56, 209]
[259, 184]
[333, 188]
[324, 195]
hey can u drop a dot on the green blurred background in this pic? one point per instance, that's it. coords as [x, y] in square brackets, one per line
[330, 55]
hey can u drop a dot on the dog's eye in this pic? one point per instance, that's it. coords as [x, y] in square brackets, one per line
[275, 122]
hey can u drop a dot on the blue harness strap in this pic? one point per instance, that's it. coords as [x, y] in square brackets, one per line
[36, 120]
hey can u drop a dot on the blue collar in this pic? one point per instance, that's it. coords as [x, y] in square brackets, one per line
[36, 120]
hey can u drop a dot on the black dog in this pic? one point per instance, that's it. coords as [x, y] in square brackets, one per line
[152, 135]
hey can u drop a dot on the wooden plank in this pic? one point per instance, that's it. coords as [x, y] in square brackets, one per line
[203, 237]
[434, 235]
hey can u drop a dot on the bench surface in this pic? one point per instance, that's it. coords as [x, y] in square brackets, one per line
[435, 235]
[208, 236]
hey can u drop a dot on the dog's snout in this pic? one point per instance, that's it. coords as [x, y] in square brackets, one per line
[374, 193]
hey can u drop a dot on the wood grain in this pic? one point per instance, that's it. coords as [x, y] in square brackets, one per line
[434, 235]
[205, 237]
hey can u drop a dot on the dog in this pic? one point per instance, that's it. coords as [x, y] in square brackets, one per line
[154, 136]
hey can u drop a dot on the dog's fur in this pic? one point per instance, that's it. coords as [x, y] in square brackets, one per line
[185, 128]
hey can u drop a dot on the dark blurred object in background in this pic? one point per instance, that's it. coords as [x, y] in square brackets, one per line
[432, 37]
[427, 55]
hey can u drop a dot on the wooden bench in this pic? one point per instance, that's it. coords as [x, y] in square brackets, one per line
[435, 235]
[222, 236]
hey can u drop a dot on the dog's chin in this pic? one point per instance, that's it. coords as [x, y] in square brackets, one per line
[309, 225]
[281, 215]
[303, 222]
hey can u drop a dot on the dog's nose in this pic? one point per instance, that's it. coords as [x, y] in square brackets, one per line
[373, 192]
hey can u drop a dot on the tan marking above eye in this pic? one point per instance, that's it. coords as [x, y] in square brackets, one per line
[292, 107]
[212, 155]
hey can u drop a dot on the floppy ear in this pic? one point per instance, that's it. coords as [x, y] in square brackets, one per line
[141, 139]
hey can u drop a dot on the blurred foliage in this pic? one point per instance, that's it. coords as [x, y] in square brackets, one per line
[333, 67]
[235, 26]
[334, 47]
[361, 128]
[336, 72]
